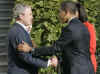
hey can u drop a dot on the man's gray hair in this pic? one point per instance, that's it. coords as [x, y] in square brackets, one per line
[19, 9]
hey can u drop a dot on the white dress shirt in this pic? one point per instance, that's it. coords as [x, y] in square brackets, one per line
[22, 25]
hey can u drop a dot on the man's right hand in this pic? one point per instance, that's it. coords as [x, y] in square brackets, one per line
[24, 47]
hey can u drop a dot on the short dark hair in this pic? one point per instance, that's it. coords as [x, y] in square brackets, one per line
[69, 6]
[82, 12]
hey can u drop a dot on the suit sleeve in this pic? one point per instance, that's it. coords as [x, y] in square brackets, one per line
[58, 46]
[26, 57]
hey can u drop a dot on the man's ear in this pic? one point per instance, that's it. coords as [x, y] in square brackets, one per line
[66, 16]
[21, 16]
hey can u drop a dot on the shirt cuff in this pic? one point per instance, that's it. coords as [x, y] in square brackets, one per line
[33, 49]
[49, 63]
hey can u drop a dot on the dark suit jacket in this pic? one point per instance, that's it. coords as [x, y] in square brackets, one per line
[74, 45]
[20, 62]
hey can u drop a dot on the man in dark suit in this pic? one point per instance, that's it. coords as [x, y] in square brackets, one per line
[21, 62]
[73, 43]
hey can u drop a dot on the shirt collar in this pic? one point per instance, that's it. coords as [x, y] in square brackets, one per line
[22, 25]
[71, 19]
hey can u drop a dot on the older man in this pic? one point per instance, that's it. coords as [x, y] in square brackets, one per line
[20, 62]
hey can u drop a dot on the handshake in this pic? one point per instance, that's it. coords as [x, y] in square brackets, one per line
[53, 61]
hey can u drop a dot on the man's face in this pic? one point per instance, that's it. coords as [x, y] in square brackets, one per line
[63, 16]
[27, 17]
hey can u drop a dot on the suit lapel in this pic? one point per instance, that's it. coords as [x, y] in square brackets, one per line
[27, 36]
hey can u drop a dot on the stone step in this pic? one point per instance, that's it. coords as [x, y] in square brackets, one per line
[4, 30]
[6, 1]
[3, 73]
[3, 58]
[4, 22]
[4, 66]
[4, 26]
[3, 62]
[3, 35]
[6, 4]
[5, 13]
[5, 10]
[5, 18]
[3, 45]
[3, 49]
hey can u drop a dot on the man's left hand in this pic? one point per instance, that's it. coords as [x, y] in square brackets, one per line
[24, 47]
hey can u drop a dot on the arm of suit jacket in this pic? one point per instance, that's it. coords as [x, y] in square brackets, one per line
[26, 57]
[64, 40]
